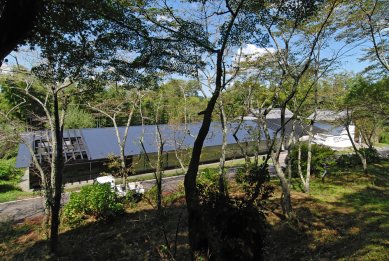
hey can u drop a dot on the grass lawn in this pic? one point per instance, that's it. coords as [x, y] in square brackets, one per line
[345, 218]
[9, 191]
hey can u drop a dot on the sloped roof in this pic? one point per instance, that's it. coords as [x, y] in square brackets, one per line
[274, 113]
[102, 142]
[328, 115]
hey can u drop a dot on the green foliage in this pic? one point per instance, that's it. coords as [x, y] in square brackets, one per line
[322, 157]
[11, 95]
[225, 218]
[352, 160]
[132, 198]
[97, 201]
[371, 154]
[8, 171]
[254, 181]
[348, 161]
[208, 176]
[77, 118]
[368, 102]
[384, 136]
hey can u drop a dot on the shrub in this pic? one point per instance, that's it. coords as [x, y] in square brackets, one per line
[208, 176]
[132, 198]
[351, 160]
[322, 157]
[371, 154]
[8, 171]
[348, 160]
[97, 201]
[233, 228]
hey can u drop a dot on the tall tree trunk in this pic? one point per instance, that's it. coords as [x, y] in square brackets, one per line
[222, 172]
[196, 226]
[197, 230]
[123, 166]
[300, 172]
[57, 176]
[309, 160]
[159, 168]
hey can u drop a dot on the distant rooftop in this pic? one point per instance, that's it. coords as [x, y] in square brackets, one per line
[328, 115]
[274, 113]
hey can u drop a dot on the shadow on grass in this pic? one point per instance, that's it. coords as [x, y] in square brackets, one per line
[131, 236]
[355, 226]
[8, 187]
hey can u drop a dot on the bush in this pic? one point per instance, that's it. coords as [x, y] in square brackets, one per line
[97, 201]
[371, 154]
[348, 160]
[322, 157]
[208, 176]
[132, 198]
[351, 160]
[8, 171]
[233, 228]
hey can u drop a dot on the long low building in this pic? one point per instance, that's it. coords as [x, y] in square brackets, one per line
[86, 151]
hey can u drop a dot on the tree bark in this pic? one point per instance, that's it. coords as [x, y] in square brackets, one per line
[299, 165]
[57, 176]
[286, 202]
[222, 173]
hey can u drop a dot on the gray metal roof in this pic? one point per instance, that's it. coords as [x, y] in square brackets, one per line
[328, 115]
[102, 142]
[274, 113]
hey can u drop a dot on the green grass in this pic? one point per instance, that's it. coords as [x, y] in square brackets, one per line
[381, 145]
[344, 218]
[9, 191]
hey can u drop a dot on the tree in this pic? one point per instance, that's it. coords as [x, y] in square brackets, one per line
[120, 102]
[366, 20]
[295, 34]
[367, 107]
[17, 20]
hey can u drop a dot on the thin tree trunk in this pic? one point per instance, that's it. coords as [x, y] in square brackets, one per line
[222, 173]
[286, 202]
[309, 160]
[57, 172]
[289, 159]
[300, 172]
[159, 168]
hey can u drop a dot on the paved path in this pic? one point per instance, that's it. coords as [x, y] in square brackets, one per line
[383, 151]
